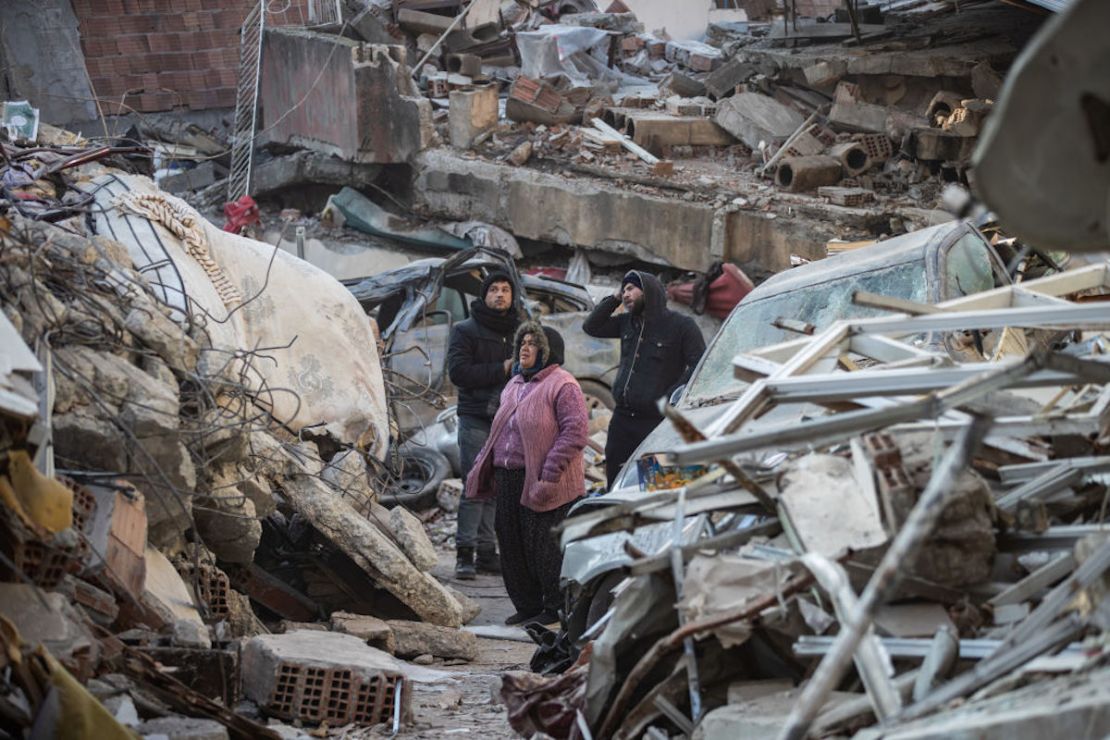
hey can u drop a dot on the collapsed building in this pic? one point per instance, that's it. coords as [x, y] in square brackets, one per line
[193, 478]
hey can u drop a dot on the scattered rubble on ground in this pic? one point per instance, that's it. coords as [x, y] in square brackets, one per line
[183, 472]
[194, 537]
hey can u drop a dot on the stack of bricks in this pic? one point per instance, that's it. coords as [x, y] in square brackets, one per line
[158, 55]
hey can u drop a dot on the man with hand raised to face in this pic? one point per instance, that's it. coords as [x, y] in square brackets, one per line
[479, 363]
[659, 350]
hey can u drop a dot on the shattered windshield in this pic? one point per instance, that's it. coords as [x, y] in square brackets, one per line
[750, 325]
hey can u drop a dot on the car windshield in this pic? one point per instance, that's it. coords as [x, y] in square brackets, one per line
[750, 325]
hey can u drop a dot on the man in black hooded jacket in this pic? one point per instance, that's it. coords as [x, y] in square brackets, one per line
[659, 350]
[479, 363]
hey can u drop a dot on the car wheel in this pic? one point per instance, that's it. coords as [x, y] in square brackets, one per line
[597, 396]
[422, 470]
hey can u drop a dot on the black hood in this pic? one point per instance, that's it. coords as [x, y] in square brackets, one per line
[655, 296]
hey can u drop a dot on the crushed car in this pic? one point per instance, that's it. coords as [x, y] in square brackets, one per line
[930, 266]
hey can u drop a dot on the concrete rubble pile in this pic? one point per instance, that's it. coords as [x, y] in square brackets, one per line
[888, 539]
[179, 474]
[764, 143]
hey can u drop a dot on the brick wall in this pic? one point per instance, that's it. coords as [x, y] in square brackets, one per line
[157, 55]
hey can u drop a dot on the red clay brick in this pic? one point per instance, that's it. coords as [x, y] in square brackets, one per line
[132, 82]
[225, 98]
[99, 26]
[230, 18]
[196, 100]
[142, 23]
[133, 44]
[136, 65]
[162, 42]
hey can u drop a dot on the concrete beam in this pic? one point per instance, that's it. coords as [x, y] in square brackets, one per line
[598, 214]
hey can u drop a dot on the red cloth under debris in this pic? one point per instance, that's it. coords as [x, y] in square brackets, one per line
[241, 214]
[547, 704]
[724, 292]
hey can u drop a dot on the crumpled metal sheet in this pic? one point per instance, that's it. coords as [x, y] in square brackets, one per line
[644, 609]
[482, 234]
[723, 583]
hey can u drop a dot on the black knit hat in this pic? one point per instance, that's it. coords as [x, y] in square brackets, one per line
[497, 277]
[632, 276]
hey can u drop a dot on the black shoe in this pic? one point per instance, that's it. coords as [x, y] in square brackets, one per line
[489, 563]
[546, 618]
[464, 564]
[521, 618]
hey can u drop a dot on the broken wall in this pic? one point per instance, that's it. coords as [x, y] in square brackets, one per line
[341, 97]
[157, 55]
[42, 61]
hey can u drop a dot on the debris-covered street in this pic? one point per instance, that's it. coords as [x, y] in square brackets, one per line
[579, 369]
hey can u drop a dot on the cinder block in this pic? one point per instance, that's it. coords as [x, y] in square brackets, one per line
[323, 676]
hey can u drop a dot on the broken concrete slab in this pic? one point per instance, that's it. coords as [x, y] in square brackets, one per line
[1069, 706]
[412, 537]
[227, 522]
[572, 212]
[416, 638]
[49, 619]
[88, 439]
[322, 676]
[857, 116]
[182, 728]
[195, 178]
[348, 472]
[723, 81]
[297, 169]
[760, 717]
[684, 84]
[375, 632]
[472, 112]
[941, 146]
[985, 82]
[371, 550]
[167, 597]
[753, 118]
[470, 607]
[830, 509]
[375, 112]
